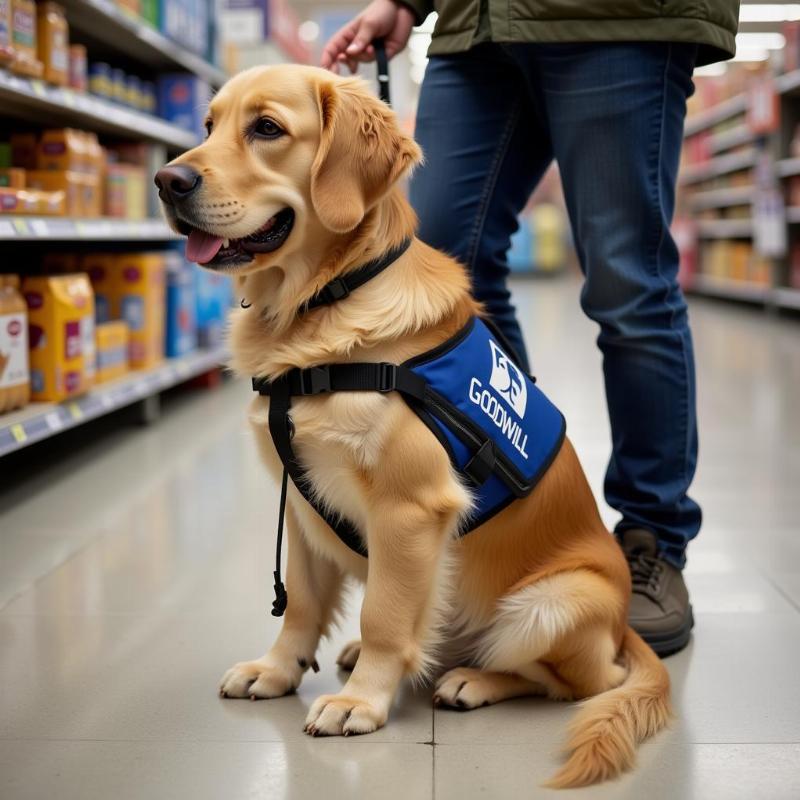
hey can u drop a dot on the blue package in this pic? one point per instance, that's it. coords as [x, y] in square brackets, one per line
[183, 100]
[214, 297]
[181, 327]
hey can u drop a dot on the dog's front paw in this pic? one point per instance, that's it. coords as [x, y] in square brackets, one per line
[466, 688]
[343, 715]
[258, 681]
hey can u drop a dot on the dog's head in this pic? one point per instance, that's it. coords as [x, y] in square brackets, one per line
[294, 155]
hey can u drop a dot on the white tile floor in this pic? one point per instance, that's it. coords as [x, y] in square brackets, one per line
[134, 570]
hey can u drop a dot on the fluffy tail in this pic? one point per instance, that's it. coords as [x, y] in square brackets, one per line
[604, 735]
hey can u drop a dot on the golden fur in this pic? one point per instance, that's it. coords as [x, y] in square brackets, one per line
[536, 600]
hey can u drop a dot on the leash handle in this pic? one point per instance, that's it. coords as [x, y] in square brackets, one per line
[383, 70]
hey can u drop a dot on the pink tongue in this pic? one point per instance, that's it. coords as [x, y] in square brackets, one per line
[201, 247]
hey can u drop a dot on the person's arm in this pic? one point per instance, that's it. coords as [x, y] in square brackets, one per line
[391, 20]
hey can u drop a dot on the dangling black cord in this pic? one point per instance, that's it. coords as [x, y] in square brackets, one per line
[279, 603]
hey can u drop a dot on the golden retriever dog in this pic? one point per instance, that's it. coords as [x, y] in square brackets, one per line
[297, 183]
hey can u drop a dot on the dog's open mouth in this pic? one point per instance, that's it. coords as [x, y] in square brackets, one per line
[214, 251]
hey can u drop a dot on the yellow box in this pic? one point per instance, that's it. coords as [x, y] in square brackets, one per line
[111, 339]
[137, 296]
[51, 180]
[61, 331]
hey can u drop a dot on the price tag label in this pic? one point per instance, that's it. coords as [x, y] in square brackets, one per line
[54, 421]
[39, 227]
[75, 411]
[39, 88]
[106, 401]
[21, 226]
[18, 432]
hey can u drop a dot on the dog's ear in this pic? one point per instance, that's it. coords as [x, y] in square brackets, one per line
[362, 153]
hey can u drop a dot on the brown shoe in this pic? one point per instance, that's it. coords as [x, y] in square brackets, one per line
[660, 610]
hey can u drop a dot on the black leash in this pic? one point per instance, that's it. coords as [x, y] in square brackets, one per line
[383, 70]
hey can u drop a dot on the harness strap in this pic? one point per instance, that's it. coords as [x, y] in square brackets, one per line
[341, 287]
[354, 377]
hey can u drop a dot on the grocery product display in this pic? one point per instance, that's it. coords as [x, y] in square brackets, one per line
[97, 310]
[739, 185]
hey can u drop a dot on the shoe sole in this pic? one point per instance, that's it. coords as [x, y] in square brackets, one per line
[673, 642]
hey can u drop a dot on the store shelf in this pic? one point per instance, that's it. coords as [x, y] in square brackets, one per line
[725, 228]
[106, 22]
[721, 198]
[57, 106]
[712, 116]
[788, 167]
[786, 297]
[735, 137]
[66, 229]
[788, 83]
[39, 421]
[729, 289]
[721, 165]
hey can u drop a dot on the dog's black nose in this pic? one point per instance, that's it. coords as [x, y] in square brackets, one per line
[176, 183]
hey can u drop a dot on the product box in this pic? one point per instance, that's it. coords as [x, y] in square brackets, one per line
[61, 333]
[213, 303]
[181, 327]
[111, 340]
[14, 373]
[137, 296]
[126, 192]
[23, 39]
[52, 33]
[183, 100]
[6, 45]
[12, 177]
[150, 11]
[100, 267]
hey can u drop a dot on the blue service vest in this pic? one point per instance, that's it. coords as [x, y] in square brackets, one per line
[499, 429]
[478, 390]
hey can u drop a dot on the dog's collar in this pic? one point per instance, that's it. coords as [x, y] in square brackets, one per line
[344, 285]
[341, 287]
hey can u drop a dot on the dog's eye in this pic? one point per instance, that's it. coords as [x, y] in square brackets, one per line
[209, 126]
[267, 128]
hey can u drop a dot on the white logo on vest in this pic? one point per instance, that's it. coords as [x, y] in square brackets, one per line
[508, 381]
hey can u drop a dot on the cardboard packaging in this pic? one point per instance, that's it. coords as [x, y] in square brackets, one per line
[137, 296]
[61, 332]
[112, 350]
[14, 372]
[181, 326]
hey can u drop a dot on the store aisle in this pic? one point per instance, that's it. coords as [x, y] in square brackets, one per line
[134, 571]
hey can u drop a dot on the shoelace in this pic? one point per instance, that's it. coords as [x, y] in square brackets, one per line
[646, 572]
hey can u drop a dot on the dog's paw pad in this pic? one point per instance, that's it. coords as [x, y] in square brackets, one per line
[464, 689]
[340, 715]
[256, 680]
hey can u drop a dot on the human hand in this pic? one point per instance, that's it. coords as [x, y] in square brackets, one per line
[351, 44]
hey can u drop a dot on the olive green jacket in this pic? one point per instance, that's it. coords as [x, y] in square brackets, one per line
[708, 23]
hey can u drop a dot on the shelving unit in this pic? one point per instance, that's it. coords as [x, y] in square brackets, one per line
[103, 20]
[106, 29]
[719, 196]
[37, 101]
[65, 229]
[39, 421]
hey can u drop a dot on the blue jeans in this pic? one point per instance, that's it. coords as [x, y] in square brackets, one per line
[490, 121]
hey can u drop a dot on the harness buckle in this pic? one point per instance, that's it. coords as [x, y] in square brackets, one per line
[337, 289]
[315, 380]
[387, 377]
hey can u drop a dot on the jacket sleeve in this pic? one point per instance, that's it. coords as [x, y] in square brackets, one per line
[421, 9]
